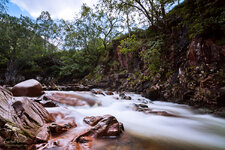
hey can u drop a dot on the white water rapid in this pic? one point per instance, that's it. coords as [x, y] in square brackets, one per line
[191, 130]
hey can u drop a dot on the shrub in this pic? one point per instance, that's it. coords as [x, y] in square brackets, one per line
[128, 45]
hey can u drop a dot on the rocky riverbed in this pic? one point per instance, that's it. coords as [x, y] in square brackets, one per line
[102, 120]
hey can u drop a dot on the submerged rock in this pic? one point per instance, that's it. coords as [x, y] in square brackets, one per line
[106, 126]
[97, 92]
[145, 109]
[21, 120]
[69, 99]
[31, 88]
[102, 127]
[123, 96]
[58, 128]
[109, 93]
[92, 120]
[48, 103]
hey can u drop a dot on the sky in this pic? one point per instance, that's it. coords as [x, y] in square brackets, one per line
[59, 9]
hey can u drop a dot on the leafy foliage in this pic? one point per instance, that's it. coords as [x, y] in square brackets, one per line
[151, 56]
[128, 45]
[202, 18]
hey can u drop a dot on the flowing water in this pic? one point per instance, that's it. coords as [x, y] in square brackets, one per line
[191, 130]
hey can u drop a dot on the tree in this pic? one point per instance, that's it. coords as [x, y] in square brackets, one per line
[152, 10]
[3, 7]
[47, 29]
[20, 48]
[108, 26]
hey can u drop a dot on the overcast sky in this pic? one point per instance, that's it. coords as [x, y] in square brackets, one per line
[59, 9]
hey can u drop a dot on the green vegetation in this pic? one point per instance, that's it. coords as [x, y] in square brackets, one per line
[202, 18]
[151, 56]
[61, 51]
[128, 45]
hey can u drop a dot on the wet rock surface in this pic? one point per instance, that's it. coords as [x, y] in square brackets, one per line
[106, 126]
[125, 97]
[61, 132]
[48, 103]
[30, 88]
[66, 134]
[109, 93]
[145, 109]
[97, 92]
[58, 128]
[69, 99]
[102, 127]
[21, 120]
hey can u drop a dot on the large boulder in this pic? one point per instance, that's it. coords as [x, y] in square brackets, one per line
[31, 88]
[103, 127]
[21, 120]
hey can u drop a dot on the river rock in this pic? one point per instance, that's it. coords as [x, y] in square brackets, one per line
[152, 93]
[123, 96]
[48, 103]
[145, 109]
[30, 88]
[69, 99]
[58, 128]
[97, 92]
[106, 126]
[92, 121]
[62, 123]
[21, 120]
[109, 93]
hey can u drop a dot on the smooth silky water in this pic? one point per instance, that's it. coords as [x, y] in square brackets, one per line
[191, 130]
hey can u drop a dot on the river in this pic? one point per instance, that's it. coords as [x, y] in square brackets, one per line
[189, 130]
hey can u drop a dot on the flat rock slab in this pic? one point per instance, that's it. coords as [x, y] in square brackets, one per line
[69, 99]
[30, 88]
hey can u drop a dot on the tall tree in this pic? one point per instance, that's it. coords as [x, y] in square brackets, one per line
[108, 26]
[46, 28]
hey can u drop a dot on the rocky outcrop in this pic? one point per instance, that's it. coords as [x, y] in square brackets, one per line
[31, 88]
[62, 131]
[193, 72]
[21, 120]
[205, 51]
[66, 134]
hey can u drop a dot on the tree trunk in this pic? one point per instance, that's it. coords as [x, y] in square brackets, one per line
[163, 9]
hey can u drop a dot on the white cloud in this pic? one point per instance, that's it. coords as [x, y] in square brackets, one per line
[59, 9]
